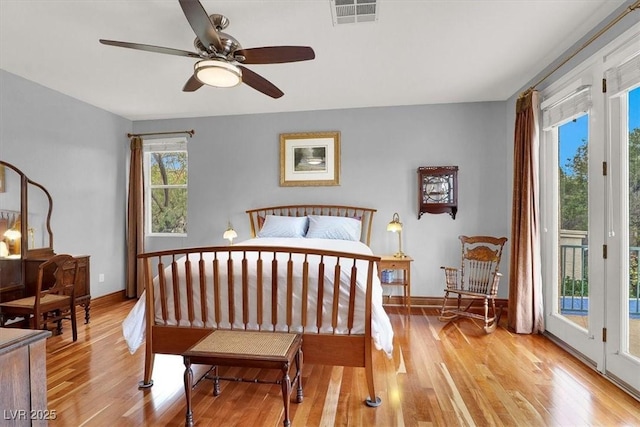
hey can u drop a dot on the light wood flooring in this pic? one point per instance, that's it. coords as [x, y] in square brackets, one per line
[440, 375]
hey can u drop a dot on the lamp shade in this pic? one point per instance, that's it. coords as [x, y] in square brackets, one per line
[230, 234]
[12, 234]
[218, 73]
[395, 225]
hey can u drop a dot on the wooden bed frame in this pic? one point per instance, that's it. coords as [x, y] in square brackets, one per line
[338, 348]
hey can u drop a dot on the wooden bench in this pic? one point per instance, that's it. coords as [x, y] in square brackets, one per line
[251, 349]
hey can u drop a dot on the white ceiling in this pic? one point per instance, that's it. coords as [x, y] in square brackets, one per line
[418, 51]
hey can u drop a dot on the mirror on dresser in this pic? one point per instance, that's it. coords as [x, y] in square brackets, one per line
[26, 238]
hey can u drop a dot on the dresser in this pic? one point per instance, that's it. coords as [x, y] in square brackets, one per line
[23, 400]
[11, 286]
[26, 240]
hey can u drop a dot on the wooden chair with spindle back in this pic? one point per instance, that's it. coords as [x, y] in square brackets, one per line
[476, 279]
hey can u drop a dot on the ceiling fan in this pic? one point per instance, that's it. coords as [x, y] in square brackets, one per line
[221, 57]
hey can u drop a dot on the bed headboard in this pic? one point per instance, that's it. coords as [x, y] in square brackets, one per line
[365, 215]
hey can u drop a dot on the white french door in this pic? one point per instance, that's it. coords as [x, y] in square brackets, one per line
[590, 210]
[573, 219]
[622, 296]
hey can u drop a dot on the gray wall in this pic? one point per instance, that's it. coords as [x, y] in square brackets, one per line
[234, 166]
[78, 152]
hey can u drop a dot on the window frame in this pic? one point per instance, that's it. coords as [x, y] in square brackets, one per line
[164, 145]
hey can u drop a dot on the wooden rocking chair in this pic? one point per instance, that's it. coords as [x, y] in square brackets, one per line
[476, 279]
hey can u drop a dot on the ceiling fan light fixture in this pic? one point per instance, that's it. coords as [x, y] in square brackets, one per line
[218, 73]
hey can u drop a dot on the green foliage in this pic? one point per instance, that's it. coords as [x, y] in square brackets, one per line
[574, 204]
[169, 210]
[168, 177]
[634, 280]
[575, 287]
[169, 168]
[574, 191]
[634, 187]
[580, 288]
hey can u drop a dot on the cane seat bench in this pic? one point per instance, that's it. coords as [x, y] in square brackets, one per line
[251, 349]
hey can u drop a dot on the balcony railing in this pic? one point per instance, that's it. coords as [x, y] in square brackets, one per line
[574, 287]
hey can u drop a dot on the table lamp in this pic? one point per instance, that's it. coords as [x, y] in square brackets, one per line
[395, 226]
[230, 234]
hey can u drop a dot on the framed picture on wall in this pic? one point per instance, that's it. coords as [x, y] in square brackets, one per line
[310, 159]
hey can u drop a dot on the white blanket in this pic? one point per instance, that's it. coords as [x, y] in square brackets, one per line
[134, 326]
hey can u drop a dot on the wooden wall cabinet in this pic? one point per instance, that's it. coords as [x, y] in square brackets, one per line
[438, 190]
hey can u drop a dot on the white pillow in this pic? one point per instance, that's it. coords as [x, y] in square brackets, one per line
[334, 227]
[283, 226]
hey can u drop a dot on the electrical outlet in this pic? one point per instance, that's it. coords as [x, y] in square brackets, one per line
[101, 277]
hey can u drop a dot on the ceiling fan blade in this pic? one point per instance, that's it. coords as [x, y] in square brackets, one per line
[259, 83]
[150, 48]
[276, 54]
[192, 85]
[201, 24]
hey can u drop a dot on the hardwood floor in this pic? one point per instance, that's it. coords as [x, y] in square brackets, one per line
[440, 374]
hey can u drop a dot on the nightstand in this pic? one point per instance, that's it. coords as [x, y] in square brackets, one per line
[400, 275]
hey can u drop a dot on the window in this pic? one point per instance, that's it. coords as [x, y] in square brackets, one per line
[166, 173]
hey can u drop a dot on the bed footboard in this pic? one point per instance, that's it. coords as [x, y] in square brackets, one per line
[325, 295]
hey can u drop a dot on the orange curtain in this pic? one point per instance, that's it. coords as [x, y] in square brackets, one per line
[526, 314]
[135, 221]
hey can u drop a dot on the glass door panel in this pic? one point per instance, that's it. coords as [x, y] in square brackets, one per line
[573, 202]
[633, 295]
[622, 300]
[572, 193]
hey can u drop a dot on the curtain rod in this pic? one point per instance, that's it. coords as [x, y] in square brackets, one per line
[188, 132]
[627, 11]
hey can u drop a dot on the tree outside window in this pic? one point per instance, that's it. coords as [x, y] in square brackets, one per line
[166, 190]
[574, 187]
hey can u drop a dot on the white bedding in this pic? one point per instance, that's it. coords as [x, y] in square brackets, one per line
[134, 326]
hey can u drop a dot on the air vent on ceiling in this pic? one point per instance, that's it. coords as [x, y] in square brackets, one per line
[354, 11]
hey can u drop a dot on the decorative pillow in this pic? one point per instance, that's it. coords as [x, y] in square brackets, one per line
[284, 226]
[334, 227]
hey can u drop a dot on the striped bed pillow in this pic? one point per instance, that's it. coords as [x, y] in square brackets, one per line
[334, 227]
